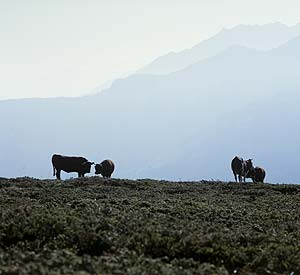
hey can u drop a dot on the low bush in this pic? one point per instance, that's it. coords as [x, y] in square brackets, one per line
[110, 226]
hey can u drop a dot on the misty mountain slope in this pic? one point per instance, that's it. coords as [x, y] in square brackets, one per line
[186, 125]
[266, 131]
[260, 37]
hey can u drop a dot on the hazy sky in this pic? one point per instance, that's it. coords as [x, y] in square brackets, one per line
[70, 47]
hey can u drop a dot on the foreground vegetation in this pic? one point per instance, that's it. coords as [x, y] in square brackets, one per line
[100, 226]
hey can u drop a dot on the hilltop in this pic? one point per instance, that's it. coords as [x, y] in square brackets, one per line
[117, 226]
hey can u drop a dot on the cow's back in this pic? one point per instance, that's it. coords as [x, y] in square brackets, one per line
[108, 167]
[68, 164]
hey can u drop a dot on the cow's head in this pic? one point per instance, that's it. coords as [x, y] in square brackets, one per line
[249, 163]
[249, 167]
[86, 166]
[98, 169]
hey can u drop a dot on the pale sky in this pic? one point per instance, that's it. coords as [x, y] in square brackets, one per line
[69, 47]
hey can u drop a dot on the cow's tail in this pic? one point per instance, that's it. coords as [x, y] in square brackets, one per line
[53, 170]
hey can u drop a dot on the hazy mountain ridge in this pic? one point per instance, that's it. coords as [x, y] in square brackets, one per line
[185, 125]
[260, 37]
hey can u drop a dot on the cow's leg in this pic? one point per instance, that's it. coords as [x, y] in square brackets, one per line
[235, 177]
[58, 174]
[240, 178]
[79, 175]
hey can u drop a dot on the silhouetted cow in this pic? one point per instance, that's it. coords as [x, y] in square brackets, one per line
[70, 164]
[105, 168]
[241, 168]
[257, 174]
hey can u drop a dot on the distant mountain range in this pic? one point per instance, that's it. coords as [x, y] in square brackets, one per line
[259, 37]
[185, 125]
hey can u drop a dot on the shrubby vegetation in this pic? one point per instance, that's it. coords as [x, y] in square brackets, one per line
[101, 226]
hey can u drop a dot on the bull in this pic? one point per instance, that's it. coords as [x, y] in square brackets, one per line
[68, 164]
[105, 168]
[241, 168]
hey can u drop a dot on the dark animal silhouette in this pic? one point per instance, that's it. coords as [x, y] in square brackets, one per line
[105, 168]
[70, 164]
[257, 174]
[241, 168]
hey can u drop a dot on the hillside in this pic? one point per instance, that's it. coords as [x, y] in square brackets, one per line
[117, 226]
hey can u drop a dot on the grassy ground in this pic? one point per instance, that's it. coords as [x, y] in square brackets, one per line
[99, 226]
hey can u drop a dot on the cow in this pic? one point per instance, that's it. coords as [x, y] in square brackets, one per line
[257, 174]
[105, 168]
[70, 164]
[241, 168]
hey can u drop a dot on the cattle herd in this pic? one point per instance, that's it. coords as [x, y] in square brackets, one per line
[80, 165]
[241, 169]
[245, 169]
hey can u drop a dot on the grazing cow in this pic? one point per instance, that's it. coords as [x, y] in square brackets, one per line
[257, 174]
[105, 168]
[70, 164]
[241, 168]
